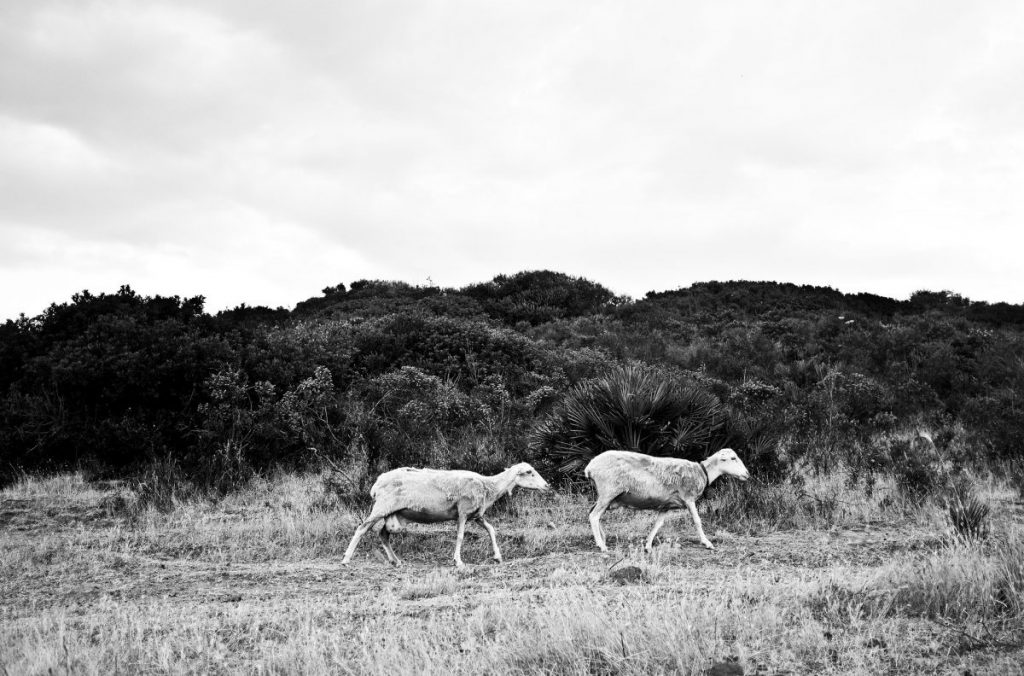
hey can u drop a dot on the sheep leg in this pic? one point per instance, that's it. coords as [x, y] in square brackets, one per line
[360, 531]
[385, 540]
[460, 533]
[595, 520]
[494, 538]
[692, 506]
[654, 531]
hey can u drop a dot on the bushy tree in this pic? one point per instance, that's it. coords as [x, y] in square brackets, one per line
[376, 298]
[109, 380]
[465, 350]
[246, 427]
[539, 296]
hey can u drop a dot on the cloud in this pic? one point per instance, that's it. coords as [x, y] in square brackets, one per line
[244, 258]
[39, 150]
[866, 146]
[135, 75]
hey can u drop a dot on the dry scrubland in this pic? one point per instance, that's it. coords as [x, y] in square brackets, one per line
[817, 579]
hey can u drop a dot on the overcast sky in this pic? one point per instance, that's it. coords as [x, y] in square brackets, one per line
[257, 151]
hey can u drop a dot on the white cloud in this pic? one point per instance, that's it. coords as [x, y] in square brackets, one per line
[242, 258]
[868, 146]
[39, 150]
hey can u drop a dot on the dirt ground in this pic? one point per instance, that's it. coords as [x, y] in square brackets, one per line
[67, 562]
[141, 576]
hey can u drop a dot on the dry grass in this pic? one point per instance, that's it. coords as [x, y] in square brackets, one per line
[825, 581]
[70, 487]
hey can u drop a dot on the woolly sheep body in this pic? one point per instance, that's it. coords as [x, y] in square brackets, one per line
[638, 481]
[425, 495]
[432, 496]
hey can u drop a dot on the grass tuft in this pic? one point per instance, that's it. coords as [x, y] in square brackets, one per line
[968, 515]
[436, 583]
[965, 581]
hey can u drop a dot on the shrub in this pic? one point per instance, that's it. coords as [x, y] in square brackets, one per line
[110, 382]
[968, 515]
[915, 475]
[398, 417]
[285, 355]
[107, 381]
[464, 350]
[998, 421]
[539, 296]
[247, 428]
[633, 408]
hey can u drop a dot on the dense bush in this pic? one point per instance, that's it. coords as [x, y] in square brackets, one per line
[635, 408]
[376, 374]
[367, 298]
[406, 410]
[539, 296]
[107, 380]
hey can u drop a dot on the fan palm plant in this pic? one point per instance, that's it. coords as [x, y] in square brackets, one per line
[632, 408]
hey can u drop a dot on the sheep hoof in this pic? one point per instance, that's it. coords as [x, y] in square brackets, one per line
[708, 545]
[498, 559]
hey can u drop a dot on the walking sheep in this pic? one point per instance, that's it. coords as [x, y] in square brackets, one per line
[433, 495]
[638, 481]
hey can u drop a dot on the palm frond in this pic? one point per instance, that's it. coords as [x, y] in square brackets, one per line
[635, 408]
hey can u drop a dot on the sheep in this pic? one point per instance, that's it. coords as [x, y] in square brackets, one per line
[638, 481]
[433, 495]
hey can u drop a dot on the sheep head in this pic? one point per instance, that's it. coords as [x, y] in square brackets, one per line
[729, 464]
[527, 477]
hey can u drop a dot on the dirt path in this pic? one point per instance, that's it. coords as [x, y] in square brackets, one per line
[128, 575]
